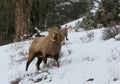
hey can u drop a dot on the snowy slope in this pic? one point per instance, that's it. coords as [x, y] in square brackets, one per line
[84, 59]
[72, 23]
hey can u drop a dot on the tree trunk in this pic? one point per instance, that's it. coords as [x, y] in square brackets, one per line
[27, 16]
[22, 18]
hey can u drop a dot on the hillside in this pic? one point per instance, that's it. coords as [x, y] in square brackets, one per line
[84, 59]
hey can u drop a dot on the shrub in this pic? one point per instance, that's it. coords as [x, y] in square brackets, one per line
[115, 56]
[16, 81]
[88, 38]
[110, 33]
[114, 73]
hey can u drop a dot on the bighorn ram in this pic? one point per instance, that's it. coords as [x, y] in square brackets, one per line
[44, 47]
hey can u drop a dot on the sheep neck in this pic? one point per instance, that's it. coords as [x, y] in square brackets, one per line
[55, 46]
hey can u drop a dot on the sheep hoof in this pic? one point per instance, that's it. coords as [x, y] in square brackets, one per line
[45, 69]
[38, 69]
[58, 65]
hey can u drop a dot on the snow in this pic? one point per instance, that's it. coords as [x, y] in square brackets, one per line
[72, 23]
[3, 66]
[83, 60]
[96, 4]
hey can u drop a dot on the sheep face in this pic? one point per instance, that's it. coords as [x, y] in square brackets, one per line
[64, 33]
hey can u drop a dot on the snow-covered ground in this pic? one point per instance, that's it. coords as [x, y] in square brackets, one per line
[84, 59]
[72, 23]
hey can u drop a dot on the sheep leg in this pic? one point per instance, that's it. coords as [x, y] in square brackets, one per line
[67, 38]
[30, 58]
[56, 59]
[45, 61]
[38, 63]
[57, 63]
